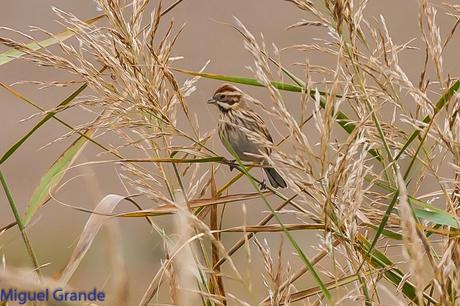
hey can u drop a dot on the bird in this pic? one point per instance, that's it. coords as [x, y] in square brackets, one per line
[244, 130]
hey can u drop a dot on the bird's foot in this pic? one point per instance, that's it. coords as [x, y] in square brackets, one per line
[232, 164]
[263, 185]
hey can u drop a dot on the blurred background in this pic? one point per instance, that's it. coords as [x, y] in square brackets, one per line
[56, 228]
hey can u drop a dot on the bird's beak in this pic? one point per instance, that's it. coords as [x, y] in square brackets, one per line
[211, 100]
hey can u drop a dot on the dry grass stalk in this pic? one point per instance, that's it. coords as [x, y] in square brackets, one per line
[185, 267]
[413, 245]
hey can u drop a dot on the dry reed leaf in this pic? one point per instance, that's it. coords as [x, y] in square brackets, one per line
[93, 225]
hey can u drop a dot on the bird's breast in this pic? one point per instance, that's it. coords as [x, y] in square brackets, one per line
[231, 132]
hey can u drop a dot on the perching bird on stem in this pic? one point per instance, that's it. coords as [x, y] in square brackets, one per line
[244, 130]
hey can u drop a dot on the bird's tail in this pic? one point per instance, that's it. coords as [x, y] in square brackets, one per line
[275, 178]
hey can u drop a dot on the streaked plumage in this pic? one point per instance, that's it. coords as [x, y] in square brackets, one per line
[238, 124]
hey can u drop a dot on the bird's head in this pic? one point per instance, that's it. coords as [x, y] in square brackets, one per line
[227, 97]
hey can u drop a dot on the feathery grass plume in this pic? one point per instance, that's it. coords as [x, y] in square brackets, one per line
[370, 153]
[414, 251]
[432, 37]
[275, 274]
[140, 96]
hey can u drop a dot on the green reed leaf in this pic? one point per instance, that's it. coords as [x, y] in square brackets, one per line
[427, 211]
[53, 176]
[14, 53]
[20, 223]
[48, 116]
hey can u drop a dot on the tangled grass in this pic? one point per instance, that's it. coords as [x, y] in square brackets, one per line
[356, 155]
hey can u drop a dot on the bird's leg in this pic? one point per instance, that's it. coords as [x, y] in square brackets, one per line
[263, 185]
[232, 164]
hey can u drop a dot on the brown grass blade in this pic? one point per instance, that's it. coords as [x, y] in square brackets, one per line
[92, 227]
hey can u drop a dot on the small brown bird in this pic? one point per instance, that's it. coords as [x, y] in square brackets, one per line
[236, 125]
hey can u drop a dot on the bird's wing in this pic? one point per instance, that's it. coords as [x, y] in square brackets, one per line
[262, 126]
[256, 124]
